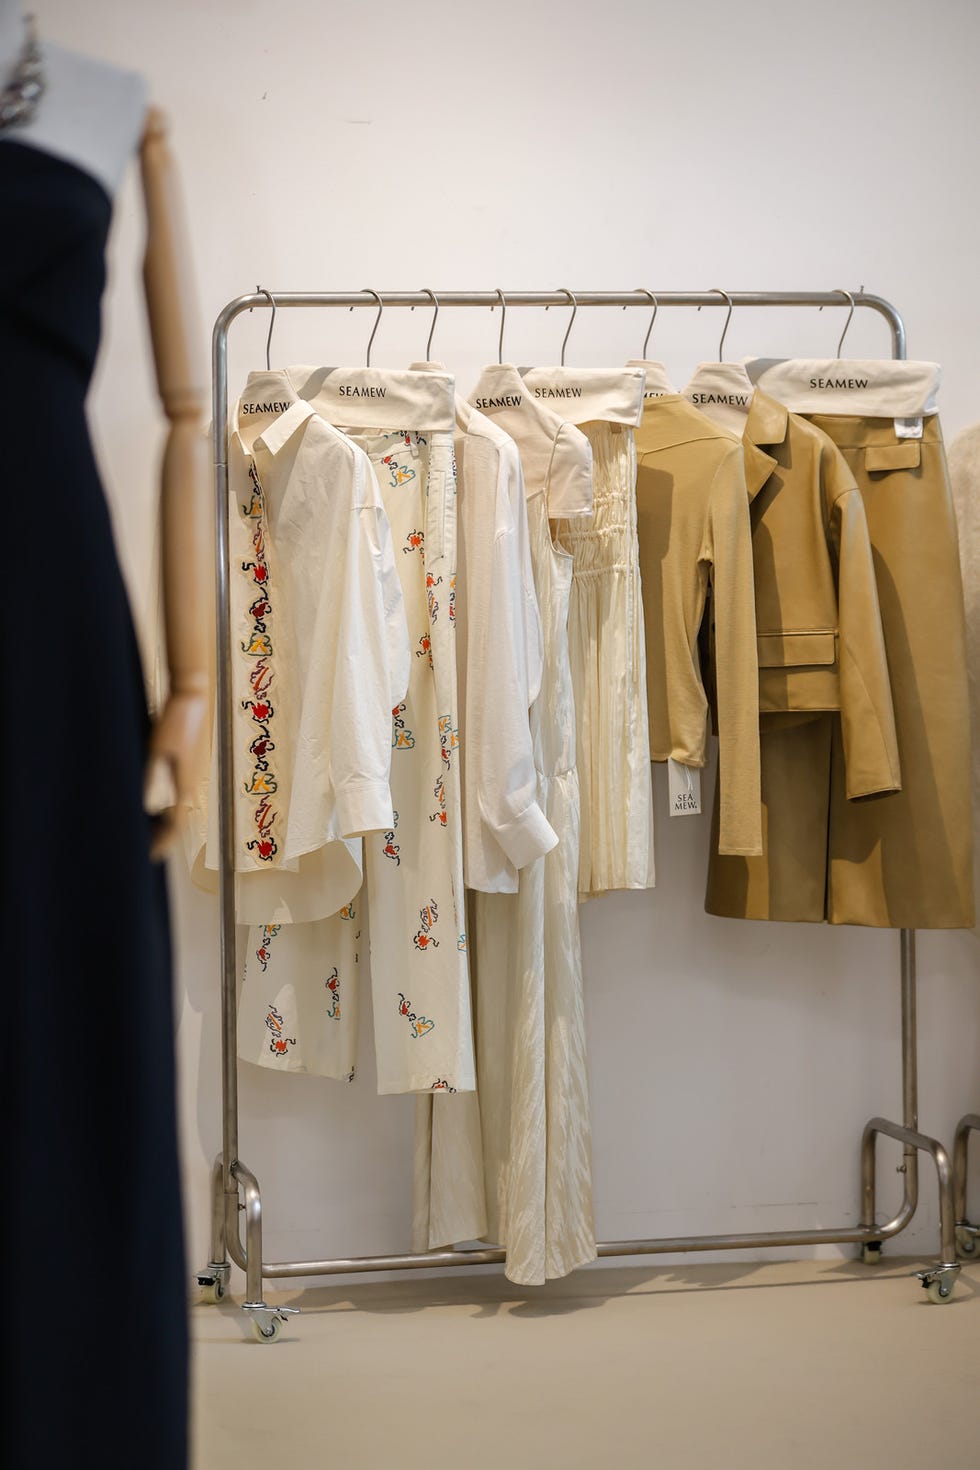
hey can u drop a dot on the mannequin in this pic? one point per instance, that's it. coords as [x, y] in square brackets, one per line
[93, 1131]
[95, 116]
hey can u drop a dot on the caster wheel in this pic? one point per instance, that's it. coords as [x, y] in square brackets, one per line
[966, 1241]
[267, 1334]
[213, 1292]
[940, 1290]
[871, 1253]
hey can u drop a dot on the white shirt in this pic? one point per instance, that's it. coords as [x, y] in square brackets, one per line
[553, 453]
[320, 658]
[500, 657]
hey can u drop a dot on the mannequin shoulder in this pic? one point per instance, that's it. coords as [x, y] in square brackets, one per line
[91, 114]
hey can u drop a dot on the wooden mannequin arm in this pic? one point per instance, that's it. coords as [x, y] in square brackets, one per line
[177, 747]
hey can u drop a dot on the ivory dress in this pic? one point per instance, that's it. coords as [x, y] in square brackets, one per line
[605, 630]
[404, 421]
[534, 1119]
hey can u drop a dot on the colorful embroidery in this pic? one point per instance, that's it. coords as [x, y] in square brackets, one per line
[391, 848]
[461, 943]
[280, 1043]
[348, 911]
[439, 792]
[401, 474]
[262, 782]
[332, 983]
[414, 541]
[424, 649]
[264, 952]
[441, 1085]
[421, 1025]
[452, 601]
[401, 739]
[428, 918]
[448, 737]
[431, 583]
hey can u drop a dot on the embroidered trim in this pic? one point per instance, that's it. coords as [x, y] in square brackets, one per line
[264, 952]
[262, 783]
[428, 918]
[452, 602]
[448, 737]
[421, 1025]
[332, 983]
[390, 848]
[439, 792]
[431, 583]
[401, 738]
[280, 1043]
[441, 1085]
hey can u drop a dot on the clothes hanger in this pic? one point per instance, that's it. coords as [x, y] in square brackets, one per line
[657, 383]
[656, 308]
[435, 314]
[366, 291]
[722, 390]
[503, 318]
[272, 322]
[849, 315]
[571, 321]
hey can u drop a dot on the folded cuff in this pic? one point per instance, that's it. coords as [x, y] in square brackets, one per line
[364, 806]
[527, 836]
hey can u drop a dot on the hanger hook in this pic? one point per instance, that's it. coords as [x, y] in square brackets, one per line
[366, 291]
[841, 292]
[724, 330]
[656, 308]
[571, 321]
[268, 341]
[503, 317]
[435, 316]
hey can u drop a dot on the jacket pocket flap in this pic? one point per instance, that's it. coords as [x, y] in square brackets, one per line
[792, 650]
[884, 457]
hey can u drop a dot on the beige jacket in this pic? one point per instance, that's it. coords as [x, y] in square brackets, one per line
[818, 623]
[694, 535]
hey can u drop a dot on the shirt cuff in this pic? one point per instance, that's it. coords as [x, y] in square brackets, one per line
[364, 806]
[527, 836]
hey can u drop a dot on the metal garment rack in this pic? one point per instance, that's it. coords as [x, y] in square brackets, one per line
[235, 1188]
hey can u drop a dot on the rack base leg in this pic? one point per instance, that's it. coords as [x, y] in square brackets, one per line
[266, 1320]
[940, 1278]
[967, 1234]
[213, 1279]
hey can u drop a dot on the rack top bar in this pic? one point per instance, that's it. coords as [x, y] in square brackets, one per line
[642, 297]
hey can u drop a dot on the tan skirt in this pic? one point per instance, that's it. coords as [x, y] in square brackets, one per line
[904, 860]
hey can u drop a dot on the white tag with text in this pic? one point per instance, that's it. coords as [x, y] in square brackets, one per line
[685, 789]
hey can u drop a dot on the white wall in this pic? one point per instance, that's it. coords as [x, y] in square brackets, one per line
[757, 146]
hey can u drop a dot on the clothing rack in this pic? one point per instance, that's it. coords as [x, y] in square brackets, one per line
[235, 1188]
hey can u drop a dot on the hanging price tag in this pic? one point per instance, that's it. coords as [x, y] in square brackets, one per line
[685, 789]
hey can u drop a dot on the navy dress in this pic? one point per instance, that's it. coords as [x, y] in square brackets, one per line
[96, 1336]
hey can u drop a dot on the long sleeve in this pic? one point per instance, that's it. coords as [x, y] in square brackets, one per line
[371, 663]
[499, 683]
[867, 719]
[727, 549]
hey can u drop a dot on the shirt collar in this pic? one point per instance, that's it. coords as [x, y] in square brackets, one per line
[582, 395]
[282, 429]
[267, 396]
[767, 424]
[869, 388]
[382, 398]
[657, 380]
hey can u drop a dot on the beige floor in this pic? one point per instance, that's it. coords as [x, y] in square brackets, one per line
[793, 1366]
